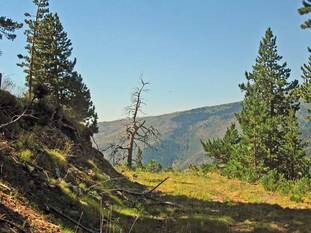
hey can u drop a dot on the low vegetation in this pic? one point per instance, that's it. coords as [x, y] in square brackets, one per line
[209, 202]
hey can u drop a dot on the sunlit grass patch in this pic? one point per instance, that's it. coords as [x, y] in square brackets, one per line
[25, 155]
[213, 187]
[57, 156]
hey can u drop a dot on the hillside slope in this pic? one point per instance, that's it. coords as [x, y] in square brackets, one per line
[181, 132]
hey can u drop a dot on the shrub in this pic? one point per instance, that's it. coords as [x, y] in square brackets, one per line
[208, 167]
[300, 188]
[271, 181]
[296, 189]
[25, 155]
[27, 140]
[153, 166]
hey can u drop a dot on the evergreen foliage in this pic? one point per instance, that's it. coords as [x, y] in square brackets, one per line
[306, 68]
[50, 70]
[306, 87]
[270, 137]
[268, 121]
[8, 28]
[305, 9]
[221, 149]
[31, 63]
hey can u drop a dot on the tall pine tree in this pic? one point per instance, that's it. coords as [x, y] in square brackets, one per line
[31, 63]
[306, 86]
[270, 101]
[51, 69]
[306, 68]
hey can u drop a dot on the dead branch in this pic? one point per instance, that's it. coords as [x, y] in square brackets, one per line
[18, 117]
[144, 193]
[14, 119]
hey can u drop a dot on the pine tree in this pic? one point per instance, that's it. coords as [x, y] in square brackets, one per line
[55, 64]
[305, 89]
[221, 149]
[8, 27]
[305, 9]
[31, 63]
[269, 101]
[78, 99]
[51, 69]
[295, 163]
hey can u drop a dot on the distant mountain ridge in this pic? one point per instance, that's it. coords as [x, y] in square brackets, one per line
[181, 132]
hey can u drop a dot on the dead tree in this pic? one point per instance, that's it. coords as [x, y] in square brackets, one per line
[138, 133]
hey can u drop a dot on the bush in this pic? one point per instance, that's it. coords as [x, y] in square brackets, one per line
[153, 166]
[300, 188]
[27, 140]
[236, 169]
[208, 167]
[25, 155]
[271, 181]
[296, 189]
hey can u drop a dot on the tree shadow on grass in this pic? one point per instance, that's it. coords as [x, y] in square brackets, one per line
[213, 217]
[195, 216]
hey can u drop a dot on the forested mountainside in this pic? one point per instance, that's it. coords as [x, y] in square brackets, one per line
[181, 132]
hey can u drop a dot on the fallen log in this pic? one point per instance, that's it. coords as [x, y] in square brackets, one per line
[144, 193]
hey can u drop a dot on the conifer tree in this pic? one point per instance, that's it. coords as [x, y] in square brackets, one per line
[269, 102]
[221, 149]
[31, 62]
[306, 86]
[305, 9]
[306, 68]
[295, 163]
[51, 69]
[55, 64]
[8, 27]
[78, 99]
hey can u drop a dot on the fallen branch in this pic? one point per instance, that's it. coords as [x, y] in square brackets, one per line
[157, 186]
[144, 193]
[14, 119]
[70, 219]
[18, 117]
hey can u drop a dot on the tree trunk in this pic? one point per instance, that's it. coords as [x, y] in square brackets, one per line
[130, 151]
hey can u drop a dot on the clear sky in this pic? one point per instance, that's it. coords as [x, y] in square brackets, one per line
[194, 52]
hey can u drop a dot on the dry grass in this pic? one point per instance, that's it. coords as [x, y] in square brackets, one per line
[213, 203]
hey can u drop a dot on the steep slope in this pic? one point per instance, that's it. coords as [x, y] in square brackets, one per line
[181, 132]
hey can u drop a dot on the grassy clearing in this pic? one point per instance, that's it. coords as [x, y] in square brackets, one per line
[214, 187]
[213, 203]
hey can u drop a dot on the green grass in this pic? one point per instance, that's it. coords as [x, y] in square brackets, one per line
[57, 156]
[213, 203]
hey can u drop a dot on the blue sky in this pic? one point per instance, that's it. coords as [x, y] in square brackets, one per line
[194, 52]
